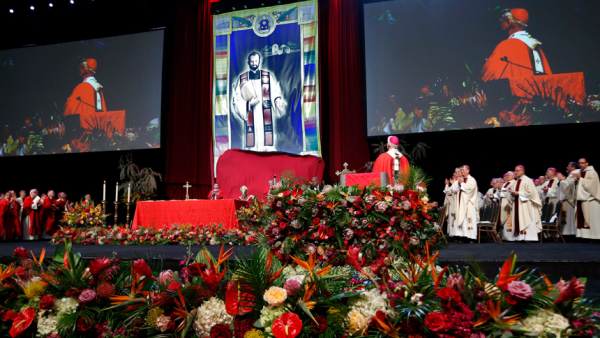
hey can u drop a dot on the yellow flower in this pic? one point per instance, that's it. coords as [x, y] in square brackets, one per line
[34, 289]
[358, 323]
[153, 315]
[254, 333]
[275, 296]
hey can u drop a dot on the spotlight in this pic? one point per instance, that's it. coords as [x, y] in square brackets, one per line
[50, 5]
[11, 11]
[72, 2]
[32, 8]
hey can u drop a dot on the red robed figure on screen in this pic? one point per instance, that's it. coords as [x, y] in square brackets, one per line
[392, 161]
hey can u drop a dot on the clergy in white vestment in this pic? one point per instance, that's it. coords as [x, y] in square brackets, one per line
[541, 182]
[506, 201]
[258, 101]
[450, 201]
[527, 208]
[588, 201]
[567, 194]
[550, 188]
[467, 206]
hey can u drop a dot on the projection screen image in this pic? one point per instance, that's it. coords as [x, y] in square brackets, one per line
[469, 64]
[84, 96]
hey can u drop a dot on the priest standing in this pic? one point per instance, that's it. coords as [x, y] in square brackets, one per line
[467, 213]
[550, 188]
[216, 193]
[32, 207]
[527, 208]
[392, 162]
[567, 193]
[588, 201]
[505, 225]
[49, 223]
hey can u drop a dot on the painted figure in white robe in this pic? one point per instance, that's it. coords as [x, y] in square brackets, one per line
[258, 101]
[567, 193]
[588, 201]
[506, 201]
[527, 208]
[467, 206]
[550, 188]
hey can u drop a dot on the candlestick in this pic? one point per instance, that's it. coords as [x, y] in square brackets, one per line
[129, 193]
[116, 211]
[104, 206]
[104, 191]
[128, 204]
[117, 193]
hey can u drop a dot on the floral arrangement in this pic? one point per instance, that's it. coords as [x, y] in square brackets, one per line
[106, 297]
[79, 216]
[185, 234]
[296, 220]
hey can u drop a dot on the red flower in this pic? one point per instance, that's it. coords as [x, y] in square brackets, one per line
[9, 315]
[84, 323]
[22, 322]
[47, 302]
[220, 331]
[233, 304]
[321, 327]
[573, 290]
[435, 321]
[286, 193]
[143, 269]
[511, 300]
[21, 252]
[297, 192]
[97, 266]
[174, 286]
[449, 293]
[288, 325]
[197, 268]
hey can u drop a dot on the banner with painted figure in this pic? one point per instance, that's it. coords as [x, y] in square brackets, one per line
[265, 73]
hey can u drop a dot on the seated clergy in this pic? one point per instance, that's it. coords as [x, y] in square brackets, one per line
[550, 187]
[527, 208]
[588, 201]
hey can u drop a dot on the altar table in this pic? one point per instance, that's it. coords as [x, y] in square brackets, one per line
[159, 214]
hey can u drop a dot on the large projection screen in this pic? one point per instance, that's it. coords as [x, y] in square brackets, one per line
[469, 64]
[84, 96]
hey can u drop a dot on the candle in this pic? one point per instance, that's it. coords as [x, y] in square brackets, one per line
[128, 192]
[104, 192]
[117, 193]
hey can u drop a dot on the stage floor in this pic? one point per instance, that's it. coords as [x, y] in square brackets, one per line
[556, 260]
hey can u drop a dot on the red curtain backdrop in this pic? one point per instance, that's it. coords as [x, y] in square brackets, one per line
[343, 121]
[189, 123]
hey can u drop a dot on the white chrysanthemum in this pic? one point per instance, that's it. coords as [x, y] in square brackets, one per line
[66, 305]
[368, 303]
[47, 325]
[211, 313]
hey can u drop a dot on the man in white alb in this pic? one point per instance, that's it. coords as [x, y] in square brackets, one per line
[550, 188]
[588, 201]
[567, 193]
[527, 208]
[506, 201]
[467, 213]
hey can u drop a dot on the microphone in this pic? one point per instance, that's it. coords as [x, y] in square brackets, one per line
[505, 59]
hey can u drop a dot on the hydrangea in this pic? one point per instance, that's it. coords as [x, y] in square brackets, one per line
[47, 325]
[542, 322]
[368, 303]
[211, 313]
[66, 305]
[268, 316]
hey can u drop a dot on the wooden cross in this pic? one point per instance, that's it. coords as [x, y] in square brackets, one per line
[187, 186]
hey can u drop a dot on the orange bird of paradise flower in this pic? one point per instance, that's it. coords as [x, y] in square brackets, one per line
[6, 273]
[506, 273]
[131, 300]
[494, 311]
[182, 312]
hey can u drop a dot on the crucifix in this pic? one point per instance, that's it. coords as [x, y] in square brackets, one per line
[187, 186]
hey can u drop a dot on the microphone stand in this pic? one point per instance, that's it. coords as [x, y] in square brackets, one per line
[505, 59]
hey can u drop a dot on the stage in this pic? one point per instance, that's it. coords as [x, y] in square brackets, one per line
[555, 260]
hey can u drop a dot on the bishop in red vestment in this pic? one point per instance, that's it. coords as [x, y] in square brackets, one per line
[48, 214]
[4, 204]
[518, 56]
[87, 96]
[392, 161]
[62, 205]
[216, 193]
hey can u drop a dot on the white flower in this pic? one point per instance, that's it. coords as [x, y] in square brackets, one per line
[275, 296]
[66, 305]
[368, 303]
[47, 325]
[211, 313]
[298, 278]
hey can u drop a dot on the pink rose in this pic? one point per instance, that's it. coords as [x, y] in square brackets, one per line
[520, 290]
[87, 296]
[292, 286]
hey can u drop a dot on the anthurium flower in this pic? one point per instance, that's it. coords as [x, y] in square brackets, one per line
[288, 325]
[22, 322]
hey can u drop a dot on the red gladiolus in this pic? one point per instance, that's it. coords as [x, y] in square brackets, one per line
[288, 325]
[21, 252]
[353, 257]
[22, 322]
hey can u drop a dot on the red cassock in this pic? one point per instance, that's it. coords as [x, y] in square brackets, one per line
[87, 94]
[385, 164]
[16, 221]
[12, 225]
[35, 217]
[4, 205]
[60, 210]
[219, 195]
[518, 53]
[48, 216]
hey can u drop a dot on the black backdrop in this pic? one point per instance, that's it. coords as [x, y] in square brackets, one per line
[489, 152]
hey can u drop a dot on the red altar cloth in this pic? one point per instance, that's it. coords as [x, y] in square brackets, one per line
[254, 170]
[161, 213]
[363, 180]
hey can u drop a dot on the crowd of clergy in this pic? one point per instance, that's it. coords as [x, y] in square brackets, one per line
[33, 216]
[521, 200]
